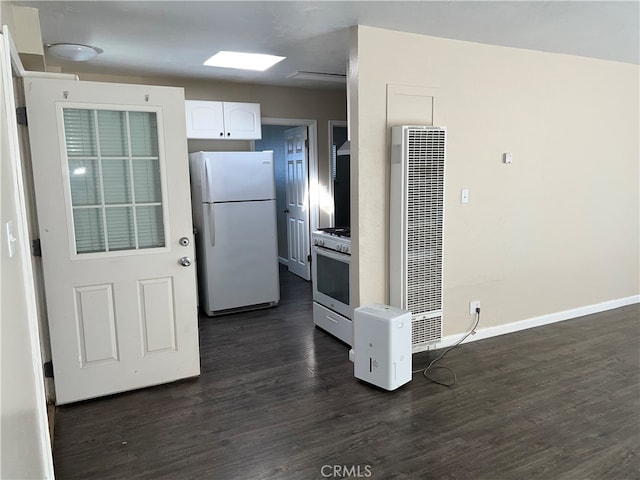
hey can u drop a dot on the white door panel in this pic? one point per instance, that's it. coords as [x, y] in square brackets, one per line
[296, 156]
[111, 177]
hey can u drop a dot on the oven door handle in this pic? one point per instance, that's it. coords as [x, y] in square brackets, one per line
[341, 257]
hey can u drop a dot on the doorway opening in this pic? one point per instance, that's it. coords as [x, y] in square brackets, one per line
[340, 175]
[296, 177]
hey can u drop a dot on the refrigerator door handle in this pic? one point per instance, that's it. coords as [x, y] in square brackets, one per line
[212, 225]
[207, 180]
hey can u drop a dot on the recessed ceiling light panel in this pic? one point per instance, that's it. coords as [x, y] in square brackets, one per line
[243, 61]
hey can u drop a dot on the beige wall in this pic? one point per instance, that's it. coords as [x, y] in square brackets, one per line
[24, 25]
[557, 229]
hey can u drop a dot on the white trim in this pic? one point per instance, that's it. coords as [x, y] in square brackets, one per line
[16, 62]
[50, 75]
[547, 319]
[283, 261]
[314, 183]
[25, 254]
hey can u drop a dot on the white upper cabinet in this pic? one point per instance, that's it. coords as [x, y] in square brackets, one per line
[242, 120]
[204, 119]
[223, 120]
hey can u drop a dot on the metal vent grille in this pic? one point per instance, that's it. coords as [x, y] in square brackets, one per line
[425, 214]
[425, 331]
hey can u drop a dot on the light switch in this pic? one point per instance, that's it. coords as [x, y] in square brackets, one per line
[464, 195]
[507, 157]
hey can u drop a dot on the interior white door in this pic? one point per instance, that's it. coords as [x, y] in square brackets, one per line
[112, 195]
[296, 157]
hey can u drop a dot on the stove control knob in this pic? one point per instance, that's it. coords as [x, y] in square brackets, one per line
[346, 249]
[340, 248]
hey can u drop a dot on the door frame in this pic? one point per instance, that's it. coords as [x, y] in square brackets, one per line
[21, 224]
[313, 182]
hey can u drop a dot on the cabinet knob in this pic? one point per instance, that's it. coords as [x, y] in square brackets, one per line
[221, 134]
[228, 134]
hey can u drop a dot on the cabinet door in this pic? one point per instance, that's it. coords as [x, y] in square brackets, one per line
[204, 119]
[242, 121]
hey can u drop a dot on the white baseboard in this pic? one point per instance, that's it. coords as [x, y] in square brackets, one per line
[283, 261]
[494, 331]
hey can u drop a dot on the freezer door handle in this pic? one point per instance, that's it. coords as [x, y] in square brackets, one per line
[212, 225]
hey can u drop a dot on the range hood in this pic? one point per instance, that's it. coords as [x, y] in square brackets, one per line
[345, 149]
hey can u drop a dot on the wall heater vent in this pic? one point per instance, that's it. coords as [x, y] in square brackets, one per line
[416, 223]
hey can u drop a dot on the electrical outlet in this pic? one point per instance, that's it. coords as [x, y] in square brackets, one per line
[473, 305]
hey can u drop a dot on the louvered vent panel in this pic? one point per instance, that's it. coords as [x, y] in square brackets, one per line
[425, 207]
[416, 226]
[425, 331]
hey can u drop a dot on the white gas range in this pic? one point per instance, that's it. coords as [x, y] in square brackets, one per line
[331, 275]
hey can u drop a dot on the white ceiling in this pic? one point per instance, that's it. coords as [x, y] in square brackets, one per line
[173, 38]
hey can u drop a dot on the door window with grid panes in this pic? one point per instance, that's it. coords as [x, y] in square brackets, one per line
[114, 177]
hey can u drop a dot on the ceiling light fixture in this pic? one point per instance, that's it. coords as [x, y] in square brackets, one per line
[323, 77]
[243, 61]
[73, 52]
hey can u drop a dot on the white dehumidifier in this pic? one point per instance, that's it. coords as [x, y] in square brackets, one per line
[382, 345]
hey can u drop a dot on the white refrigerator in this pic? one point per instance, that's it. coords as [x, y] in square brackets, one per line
[234, 213]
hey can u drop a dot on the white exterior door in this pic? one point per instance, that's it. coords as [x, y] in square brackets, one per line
[112, 193]
[297, 210]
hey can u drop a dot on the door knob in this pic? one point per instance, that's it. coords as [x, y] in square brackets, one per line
[185, 261]
[286, 210]
[184, 241]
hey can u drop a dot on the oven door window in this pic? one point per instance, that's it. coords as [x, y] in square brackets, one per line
[333, 278]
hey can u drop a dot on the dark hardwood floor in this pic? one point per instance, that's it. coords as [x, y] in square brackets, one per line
[277, 400]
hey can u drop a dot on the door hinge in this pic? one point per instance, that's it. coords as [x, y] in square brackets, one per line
[48, 369]
[21, 115]
[309, 258]
[306, 143]
[36, 249]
